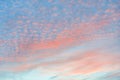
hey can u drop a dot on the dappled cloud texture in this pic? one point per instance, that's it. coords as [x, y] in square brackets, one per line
[59, 39]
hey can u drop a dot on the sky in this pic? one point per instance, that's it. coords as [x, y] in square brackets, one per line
[59, 39]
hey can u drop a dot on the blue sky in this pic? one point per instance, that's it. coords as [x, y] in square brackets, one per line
[59, 39]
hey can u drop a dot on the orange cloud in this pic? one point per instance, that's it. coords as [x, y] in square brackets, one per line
[85, 63]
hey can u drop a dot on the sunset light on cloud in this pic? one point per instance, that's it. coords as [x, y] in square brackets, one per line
[59, 40]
